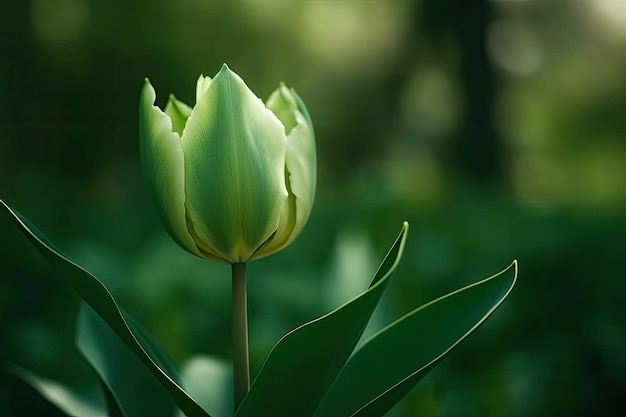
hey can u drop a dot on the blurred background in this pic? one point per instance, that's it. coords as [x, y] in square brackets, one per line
[495, 128]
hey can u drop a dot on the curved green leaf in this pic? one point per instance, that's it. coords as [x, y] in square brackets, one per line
[304, 363]
[70, 401]
[94, 293]
[113, 403]
[130, 383]
[392, 361]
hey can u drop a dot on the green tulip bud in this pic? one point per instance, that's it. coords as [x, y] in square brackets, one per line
[233, 178]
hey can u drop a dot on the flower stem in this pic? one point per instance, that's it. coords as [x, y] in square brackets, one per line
[241, 367]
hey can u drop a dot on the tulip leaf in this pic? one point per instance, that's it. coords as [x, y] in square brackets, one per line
[97, 296]
[392, 361]
[113, 403]
[130, 383]
[304, 363]
[67, 399]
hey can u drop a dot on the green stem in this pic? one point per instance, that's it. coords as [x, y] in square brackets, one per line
[241, 366]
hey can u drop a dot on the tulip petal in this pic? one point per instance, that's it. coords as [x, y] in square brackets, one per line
[303, 160]
[201, 86]
[178, 112]
[234, 151]
[283, 104]
[163, 165]
[301, 168]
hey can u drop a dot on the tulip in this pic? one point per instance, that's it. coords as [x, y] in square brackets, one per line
[233, 178]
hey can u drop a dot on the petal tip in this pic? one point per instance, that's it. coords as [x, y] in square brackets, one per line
[148, 94]
[224, 69]
[226, 72]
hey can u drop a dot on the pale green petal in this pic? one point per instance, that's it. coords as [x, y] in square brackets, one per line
[301, 177]
[283, 104]
[178, 112]
[163, 167]
[302, 168]
[284, 234]
[201, 86]
[302, 158]
[234, 169]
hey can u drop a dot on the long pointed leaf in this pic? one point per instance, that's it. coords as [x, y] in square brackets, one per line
[392, 361]
[130, 382]
[72, 402]
[100, 299]
[305, 362]
[95, 402]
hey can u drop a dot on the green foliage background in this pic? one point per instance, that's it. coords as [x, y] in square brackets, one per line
[495, 128]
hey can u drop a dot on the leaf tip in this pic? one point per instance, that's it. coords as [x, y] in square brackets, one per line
[5, 205]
